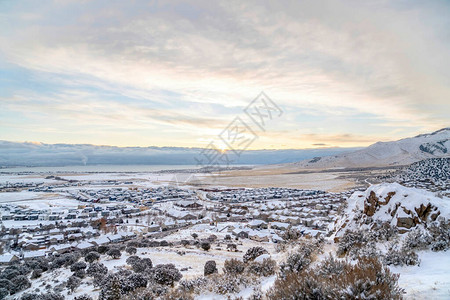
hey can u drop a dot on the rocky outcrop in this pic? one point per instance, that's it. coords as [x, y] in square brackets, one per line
[394, 204]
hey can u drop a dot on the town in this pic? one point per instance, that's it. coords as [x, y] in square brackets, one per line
[116, 214]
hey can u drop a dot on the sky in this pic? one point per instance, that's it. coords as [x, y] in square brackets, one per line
[175, 73]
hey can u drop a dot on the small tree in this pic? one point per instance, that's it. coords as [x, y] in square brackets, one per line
[3, 293]
[114, 253]
[20, 283]
[83, 297]
[131, 250]
[73, 283]
[205, 246]
[166, 274]
[36, 274]
[194, 235]
[92, 256]
[96, 269]
[212, 238]
[78, 266]
[210, 268]
[141, 265]
[133, 259]
[103, 249]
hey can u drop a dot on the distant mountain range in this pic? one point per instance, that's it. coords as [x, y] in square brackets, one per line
[402, 152]
[40, 154]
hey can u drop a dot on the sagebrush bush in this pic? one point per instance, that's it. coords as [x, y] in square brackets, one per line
[44, 296]
[383, 231]
[401, 257]
[196, 285]
[73, 283]
[417, 239]
[367, 279]
[291, 234]
[233, 266]
[350, 240]
[265, 268]
[330, 266]
[92, 256]
[253, 253]
[298, 259]
[165, 274]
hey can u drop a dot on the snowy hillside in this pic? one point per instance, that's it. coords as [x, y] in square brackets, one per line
[401, 207]
[433, 169]
[396, 153]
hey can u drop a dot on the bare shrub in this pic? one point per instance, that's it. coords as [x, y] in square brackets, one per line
[367, 279]
[253, 253]
[351, 240]
[265, 268]
[299, 259]
[401, 257]
[234, 266]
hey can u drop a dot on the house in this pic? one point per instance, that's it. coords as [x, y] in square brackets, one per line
[153, 228]
[101, 240]
[55, 239]
[33, 254]
[127, 235]
[54, 217]
[221, 218]
[131, 210]
[30, 246]
[169, 225]
[71, 216]
[276, 238]
[241, 232]
[8, 258]
[75, 236]
[33, 217]
[257, 224]
[7, 217]
[188, 204]
[20, 217]
[54, 231]
[289, 219]
[259, 236]
[116, 238]
[61, 248]
[279, 225]
[84, 245]
[181, 215]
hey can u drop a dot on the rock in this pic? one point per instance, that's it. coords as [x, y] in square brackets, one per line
[405, 222]
[371, 204]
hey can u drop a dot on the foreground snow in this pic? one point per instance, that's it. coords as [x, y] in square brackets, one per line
[430, 280]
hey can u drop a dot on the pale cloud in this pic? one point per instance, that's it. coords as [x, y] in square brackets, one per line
[325, 62]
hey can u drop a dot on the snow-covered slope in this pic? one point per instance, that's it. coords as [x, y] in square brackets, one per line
[400, 206]
[401, 152]
[432, 169]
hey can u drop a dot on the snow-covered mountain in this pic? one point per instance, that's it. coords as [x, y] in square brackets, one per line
[41, 154]
[402, 152]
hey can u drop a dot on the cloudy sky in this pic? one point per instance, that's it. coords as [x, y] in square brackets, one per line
[169, 73]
